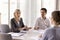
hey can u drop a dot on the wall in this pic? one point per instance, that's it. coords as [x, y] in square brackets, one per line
[59, 4]
[0, 18]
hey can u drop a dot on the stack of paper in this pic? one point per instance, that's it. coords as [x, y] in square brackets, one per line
[16, 34]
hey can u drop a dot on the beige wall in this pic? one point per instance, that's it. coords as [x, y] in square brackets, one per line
[0, 18]
[59, 4]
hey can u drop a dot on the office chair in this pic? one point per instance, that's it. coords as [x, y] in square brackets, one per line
[4, 28]
[4, 36]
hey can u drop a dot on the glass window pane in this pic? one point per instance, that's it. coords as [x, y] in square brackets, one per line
[4, 11]
[13, 6]
[50, 5]
[24, 10]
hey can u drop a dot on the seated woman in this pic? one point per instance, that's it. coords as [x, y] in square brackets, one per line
[54, 32]
[17, 22]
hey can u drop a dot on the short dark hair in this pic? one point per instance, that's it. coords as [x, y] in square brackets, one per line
[56, 16]
[44, 9]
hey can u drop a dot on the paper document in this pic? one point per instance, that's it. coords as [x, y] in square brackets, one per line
[16, 34]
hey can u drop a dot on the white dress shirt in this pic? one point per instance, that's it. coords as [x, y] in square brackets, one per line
[42, 23]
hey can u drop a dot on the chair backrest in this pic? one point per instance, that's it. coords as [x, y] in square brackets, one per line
[4, 36]
[4, 28]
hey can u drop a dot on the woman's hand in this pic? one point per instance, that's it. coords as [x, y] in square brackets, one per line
[40, 36]
[36, 28]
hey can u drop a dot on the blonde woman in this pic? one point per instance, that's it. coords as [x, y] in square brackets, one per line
[17, 22]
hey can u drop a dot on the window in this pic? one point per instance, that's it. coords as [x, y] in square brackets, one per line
[4, 11]
[50, 5]
[13, 7]
[25, 7]
[30, 9]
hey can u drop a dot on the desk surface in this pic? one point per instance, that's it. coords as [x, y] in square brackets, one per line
[28, 35]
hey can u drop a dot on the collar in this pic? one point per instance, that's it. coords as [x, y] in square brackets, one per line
[43, 18]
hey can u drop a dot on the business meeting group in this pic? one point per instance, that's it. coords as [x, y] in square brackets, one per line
[44, 28]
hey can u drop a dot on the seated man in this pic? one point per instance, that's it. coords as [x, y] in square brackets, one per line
[42, 22]
[17, 22]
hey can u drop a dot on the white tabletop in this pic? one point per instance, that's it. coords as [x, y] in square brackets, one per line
[29, 35]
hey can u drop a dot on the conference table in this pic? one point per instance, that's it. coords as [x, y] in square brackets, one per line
[28, 35]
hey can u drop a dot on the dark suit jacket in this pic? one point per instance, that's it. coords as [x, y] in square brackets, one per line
[15, 26]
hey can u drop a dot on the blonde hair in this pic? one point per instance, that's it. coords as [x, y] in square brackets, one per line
[17, 10]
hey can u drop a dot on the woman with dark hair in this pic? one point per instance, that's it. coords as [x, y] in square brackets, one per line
[53, 33]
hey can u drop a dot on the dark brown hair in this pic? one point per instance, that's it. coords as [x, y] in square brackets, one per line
[56, 16]
[44, 9]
